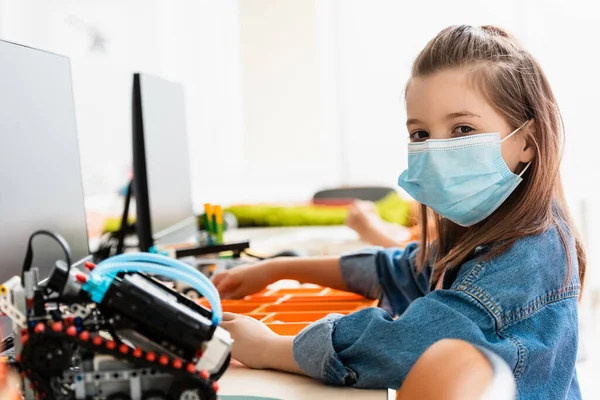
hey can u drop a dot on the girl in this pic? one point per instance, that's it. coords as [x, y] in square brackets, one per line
[501, 270]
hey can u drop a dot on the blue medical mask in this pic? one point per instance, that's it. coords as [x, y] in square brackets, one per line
[462, 179]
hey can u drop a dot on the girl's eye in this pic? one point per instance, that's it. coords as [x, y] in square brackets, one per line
[418, 136]
[462, 130]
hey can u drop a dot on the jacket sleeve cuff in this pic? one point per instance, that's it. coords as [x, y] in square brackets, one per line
[314, 353]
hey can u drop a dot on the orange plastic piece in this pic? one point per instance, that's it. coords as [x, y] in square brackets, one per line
[260, 299]
[300, 298]
[288, 311]
[287, 329]
[329, 307]
[241, 308]
[203, 302]
[228, 302]
[259, 316]
[298, 291]
[304, 317]
[335, 292]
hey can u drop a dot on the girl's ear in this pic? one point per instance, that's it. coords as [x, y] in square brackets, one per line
[528, 149]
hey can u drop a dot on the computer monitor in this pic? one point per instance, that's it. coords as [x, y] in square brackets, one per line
[161, 167]
[40, 176]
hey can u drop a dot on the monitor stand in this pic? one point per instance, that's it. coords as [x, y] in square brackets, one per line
[237, 248]
[125, 226]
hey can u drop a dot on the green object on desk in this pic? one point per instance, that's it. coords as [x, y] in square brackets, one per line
[114, 224]
[205, 224]
[219, 223]
[213, 225]
[392, 208]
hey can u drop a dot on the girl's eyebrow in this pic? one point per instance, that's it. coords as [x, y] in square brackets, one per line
[454, 115]
[413, 121]
[461, 114]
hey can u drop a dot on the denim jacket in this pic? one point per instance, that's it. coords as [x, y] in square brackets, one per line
[517, 305]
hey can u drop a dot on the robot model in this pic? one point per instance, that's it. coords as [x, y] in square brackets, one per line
[115, 332]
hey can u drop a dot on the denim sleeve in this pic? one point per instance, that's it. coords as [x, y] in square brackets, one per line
[360, 273]
[370, 349]
[386, 274]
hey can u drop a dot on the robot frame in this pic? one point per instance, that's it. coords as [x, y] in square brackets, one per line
[115, 333]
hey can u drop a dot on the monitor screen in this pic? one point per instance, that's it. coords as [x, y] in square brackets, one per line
[162, 183]
[40, 178]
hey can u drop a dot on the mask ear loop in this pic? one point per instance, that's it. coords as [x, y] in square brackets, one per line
[512, 133]
[525, 169]
[515, 131]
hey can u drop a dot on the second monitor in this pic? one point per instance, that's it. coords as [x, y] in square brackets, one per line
[161, 182]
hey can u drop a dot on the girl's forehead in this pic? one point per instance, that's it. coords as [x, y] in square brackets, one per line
[444, 93]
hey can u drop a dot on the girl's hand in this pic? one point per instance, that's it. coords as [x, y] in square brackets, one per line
[364, 218]
[244, 280]
[256, 346]
[251, 339]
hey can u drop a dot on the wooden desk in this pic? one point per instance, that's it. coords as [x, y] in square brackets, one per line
[239, 380]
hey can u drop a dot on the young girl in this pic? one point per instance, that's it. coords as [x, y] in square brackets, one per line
[503, 268]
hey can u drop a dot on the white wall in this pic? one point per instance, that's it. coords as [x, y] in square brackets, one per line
[102, 80]
[259, 120]
[291, 148]
[201, 49]
[192, 42]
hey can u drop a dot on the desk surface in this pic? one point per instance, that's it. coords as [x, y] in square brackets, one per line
[239, 380]
[313, 240]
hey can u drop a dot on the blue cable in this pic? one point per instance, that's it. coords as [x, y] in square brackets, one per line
[165, 261]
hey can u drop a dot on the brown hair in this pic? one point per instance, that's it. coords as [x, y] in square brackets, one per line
[514, 83]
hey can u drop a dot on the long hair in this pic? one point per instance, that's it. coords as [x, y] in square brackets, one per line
[513, 82]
